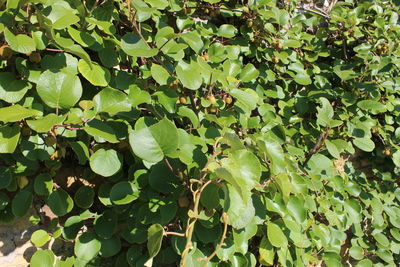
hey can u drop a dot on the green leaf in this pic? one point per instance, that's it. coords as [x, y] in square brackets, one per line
[371, 105]
[133, 45]
[111, 101]
[11, 89]
[106, 224]
[106, 162]
[43, 184]
[44, 124]
[188, 74]
[155, 235]
[296, 209]
[61, 15]
[187, 112]
[84, 197]
[94, 73]
[193, 39]
[16, 113]
[382, 239]
[59, 89]
[356, 252]
[20, 43]
[87, 246]
[9, 137]
[110, 247]
[153, 143]
[324, 113]
[5, 177]
[42, 258]
[246, 99]
[249, 73]
[21, 203]
[276, 236]
[123, 193]
[98, 128]
[396, 158]
[81, 150]
[240, 212]
[266, 251]
[364, 144]
[40, 237]
[159, 74]
[332, 149]
[227, 31]
[60, 202]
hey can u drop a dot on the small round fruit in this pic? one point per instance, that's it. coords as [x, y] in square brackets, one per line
[182, 99]
[228, 100]
[250, 23]
[279, 45]
[22, 181]
[387, 152]
[26, 131]
[212, 99]
[173, 85]
[205, 57]
[50, 140]
[301, 54]
[6, 52]
[379, 47]
[206, 11]
[183, 201]
[212, 109]
[35, 57]
[275, 60]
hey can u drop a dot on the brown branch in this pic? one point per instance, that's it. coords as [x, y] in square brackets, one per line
[174, 233]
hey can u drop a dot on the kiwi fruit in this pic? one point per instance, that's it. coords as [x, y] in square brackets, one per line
[6, 52]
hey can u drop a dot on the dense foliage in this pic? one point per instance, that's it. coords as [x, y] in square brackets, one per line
[203, 133]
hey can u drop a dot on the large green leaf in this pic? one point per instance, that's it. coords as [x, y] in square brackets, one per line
[111, 101]
[133, 45]
[60, 202]
[44, 124]
[188, 74]
[9, 137]
[153, 143]
[59, 89]
[193, 39]
[21, 203]
[11, 89]
[155, 235]
[61, 15]
[123, 193]
[159, 74]
[20, 43]
[16, 113]
[248, 73]
[42, 258]
[87, 246]
[94, 73]
[98, 128]
[106, 162]
[276, 236]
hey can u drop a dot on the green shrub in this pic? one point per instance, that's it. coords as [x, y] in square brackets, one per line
[213, 133]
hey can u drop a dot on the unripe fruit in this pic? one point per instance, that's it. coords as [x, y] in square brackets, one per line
[6, 52]
[386, 152]
[228, 100]
[212, 109]
[250, 23]
[207, 11]
[379, 47]
[50, 140]
[275, 60]
[279, 45]
[205, 57]
[182, 99]
[22, 181]
[26, 131]
[173, 85]
[212, 99]
[35, 57]
[183, 201]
